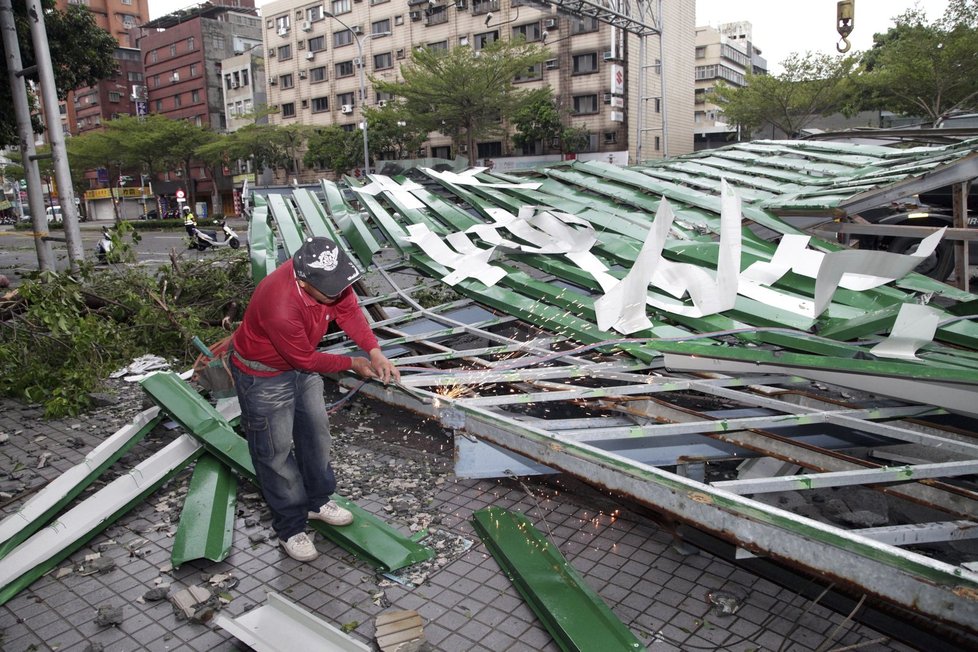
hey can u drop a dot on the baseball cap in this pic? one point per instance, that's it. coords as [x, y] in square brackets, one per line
[323, 265]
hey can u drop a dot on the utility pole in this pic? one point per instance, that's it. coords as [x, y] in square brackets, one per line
[49, 96]
[18, 87]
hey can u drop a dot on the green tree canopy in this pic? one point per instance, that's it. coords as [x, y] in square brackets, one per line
[464, 93]
[334, 148]
[393, 131]
[539, 119]
[81, 54]
[810, 85]
[915, 68]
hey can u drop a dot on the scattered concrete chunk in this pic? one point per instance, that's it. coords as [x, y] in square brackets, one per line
[399, 631]
[108, 616]
[157, 594]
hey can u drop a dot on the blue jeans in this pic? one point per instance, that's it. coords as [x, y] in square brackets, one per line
[284, 418]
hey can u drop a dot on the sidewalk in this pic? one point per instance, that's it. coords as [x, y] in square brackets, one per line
[466, 601]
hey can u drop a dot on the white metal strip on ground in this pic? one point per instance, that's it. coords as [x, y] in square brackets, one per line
[58, 488]
[281, 626]
[94, 511]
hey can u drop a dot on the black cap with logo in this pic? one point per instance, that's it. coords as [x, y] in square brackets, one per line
[324, 266]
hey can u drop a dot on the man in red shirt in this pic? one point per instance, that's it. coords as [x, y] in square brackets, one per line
[276, 370]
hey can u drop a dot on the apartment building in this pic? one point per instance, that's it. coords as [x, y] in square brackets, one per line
[244, 88]
[110, 98]
[314, 53]
[726, 53]
[117, 17]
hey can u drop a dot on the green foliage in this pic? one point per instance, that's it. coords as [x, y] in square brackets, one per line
[464, 93]
[81, 54]
[915, 68]
[538, 119]
[124, 237]
[333, 148]
[393, 131]
[810, 85]
[67, 333]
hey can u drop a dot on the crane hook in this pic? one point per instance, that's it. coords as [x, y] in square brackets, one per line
[845, 20]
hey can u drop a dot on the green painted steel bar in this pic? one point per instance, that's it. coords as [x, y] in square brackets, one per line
[261, 241]
[206, 527]
[393, 231]
[288, 228]
[367, 537]
[574, 614]
[349, 222]
[313, 215]
[39, 510]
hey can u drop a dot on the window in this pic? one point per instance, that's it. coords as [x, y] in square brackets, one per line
[159, 106]
[382, 61]
[384, 97]
[153, 56]
[484, 6]
[317, 44]
[700, 51]
[284, 52]
[486, 150]
[199, 121]
[227, 81]
[583, 24]
[114, 96]
[177, 100]
[193, 70]
[288, 110]
[191, 43]
[529, 32]
[230, 109]
[320, 104]
[378, 2]
[436, 15]
[156, 80]
[135, 76]
[485, 38]
[398, 20]
[195, 96]
[244, 77]
[317, 74]
[314, 13]
[381, 27]
[345, 99]
[585, 63]
[585, 103]
[657, 104]
[344, 69]
[282, 22]
[531, 73]
[610, 137]
[286, 81]
[657, 143]
[438, 45]
[340, 7]
[342, 38]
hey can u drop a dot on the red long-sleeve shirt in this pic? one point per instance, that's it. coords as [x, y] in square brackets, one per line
[283, 326]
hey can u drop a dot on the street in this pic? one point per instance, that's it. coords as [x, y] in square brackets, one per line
[18, 256]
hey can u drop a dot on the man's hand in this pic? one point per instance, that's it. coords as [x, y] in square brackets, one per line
[363, 367]
[383, 368]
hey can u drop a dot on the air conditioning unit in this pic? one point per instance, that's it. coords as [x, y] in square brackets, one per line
[283, 31]
[381, 103]
[310, 55]
[306, 26]
[357, 29]
[551, 64]
[303, 74]
[346, 108]
[357, 61]
[609, 56]
[415, 15]
[462, 4]
[273, 81]
[271, 52]
[463, 148]
[175, 77]
[550, 23]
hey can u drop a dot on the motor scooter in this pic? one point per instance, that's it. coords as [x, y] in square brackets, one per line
[104, 246]
[202, 240]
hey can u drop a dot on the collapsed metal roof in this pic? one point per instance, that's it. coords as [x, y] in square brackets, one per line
[664, 351]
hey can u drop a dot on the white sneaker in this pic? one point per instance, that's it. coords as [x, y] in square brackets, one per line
[300, 547]
[333, 514]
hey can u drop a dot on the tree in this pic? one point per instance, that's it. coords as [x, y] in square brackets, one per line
[464, 93]
[182, 141]
[930, 70]
[394, 132]
[811, 85]
[539, 119]
[334, 148]
[81, 53]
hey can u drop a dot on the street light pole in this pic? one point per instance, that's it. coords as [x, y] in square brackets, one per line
[363, 89]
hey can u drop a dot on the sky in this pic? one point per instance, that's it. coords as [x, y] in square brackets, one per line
[780, 27]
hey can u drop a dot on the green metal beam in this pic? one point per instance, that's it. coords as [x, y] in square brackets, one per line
[206, 525]
[576, 616]
[368, 537]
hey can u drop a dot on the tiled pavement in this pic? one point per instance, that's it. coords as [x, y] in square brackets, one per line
[467, 605]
